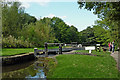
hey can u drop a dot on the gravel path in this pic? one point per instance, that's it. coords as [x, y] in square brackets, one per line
[117, 58]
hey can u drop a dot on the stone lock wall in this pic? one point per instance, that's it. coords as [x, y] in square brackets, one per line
[9, 60]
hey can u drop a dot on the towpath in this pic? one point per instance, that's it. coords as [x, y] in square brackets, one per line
[116, 56]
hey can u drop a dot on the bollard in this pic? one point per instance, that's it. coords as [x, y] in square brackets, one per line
[60, 49]
[35, 51]
[46, 50]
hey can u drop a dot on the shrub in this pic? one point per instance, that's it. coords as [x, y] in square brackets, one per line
[11, 42]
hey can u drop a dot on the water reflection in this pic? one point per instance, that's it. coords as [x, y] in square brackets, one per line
[40, 74]
[16, 66]
[33, 69]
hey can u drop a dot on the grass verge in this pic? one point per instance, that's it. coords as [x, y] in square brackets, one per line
[84, 66]
[16, 51]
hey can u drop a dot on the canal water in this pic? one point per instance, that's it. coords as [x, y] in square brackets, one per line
[33, 69]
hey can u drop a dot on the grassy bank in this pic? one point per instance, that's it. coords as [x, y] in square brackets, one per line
[84, 66]
[15, 51]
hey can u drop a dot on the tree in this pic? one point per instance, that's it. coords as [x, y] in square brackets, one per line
[87, 36]
[10, 18]
[63, 32]
[101, 35]
[108, 13]
[14, 18]
[72, 34]
[38, 33]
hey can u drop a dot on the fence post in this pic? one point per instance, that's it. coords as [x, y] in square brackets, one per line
[35, 51]
[46, 50]
[60, 49]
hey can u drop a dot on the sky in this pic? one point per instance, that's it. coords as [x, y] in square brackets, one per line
[67, 10]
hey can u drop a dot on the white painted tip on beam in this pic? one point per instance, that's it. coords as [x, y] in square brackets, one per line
[97, 44]
[90, 48]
